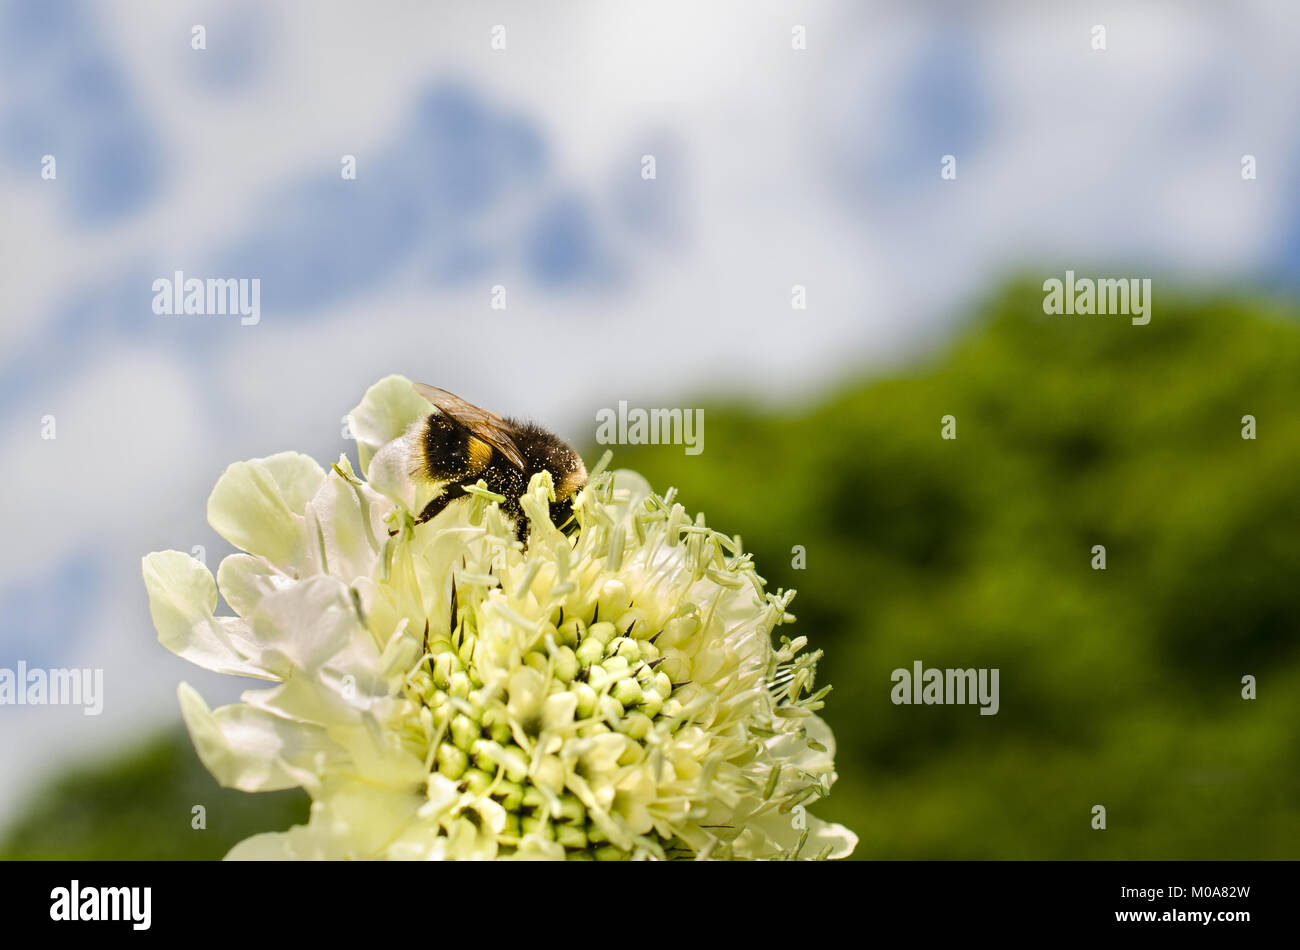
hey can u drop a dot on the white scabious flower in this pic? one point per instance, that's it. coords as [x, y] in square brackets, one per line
[442, 691]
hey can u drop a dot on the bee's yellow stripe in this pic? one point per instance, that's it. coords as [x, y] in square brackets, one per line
[480, 453]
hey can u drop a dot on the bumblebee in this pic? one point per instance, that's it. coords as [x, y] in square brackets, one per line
[460, 443]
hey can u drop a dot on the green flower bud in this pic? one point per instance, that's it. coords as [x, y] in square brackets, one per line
[571, 836]
[511, 795]
[635, 725]
[466, 652]
[610, 708]
[566, 664]
[444, 664]
[676, 632]
[460, 685]
[627, 692]
[602, 632]
[464, 731]
[572, 810]
[571, 632]
[587, 699]
[614, 598]
[497, 725]
[633, 620]
[452, 762]
[589, 651]
[515, 762]
[532, 825]
[514, 824]
[624, 648]
[651, 702]
[478, 780]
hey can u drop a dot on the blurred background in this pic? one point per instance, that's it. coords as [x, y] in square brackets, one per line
[796, 151]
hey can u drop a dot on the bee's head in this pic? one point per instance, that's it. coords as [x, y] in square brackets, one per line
[574, 475]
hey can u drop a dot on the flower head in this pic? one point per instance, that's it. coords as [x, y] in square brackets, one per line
[443, 691]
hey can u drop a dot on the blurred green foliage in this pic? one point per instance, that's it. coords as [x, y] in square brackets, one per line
[1119, 687]
[141, 806]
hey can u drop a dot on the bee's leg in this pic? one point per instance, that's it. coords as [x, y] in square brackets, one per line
[515, 512]
[562, 516]
[435, 507]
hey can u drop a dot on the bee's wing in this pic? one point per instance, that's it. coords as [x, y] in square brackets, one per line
[483, 423]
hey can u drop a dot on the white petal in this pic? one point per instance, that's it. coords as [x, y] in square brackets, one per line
[182, 597]
[558, 710]
[391, 475]
[341, 693]
[299, 477]
[258, 505]
[823, 833]
[304, 700]
[303, 626]
[364, 818]
[349, 521]
[630, 489]
[244, 579]
[775, 830]
[270, 846]
[250, 750]
[387, 408]
[299, 843]
[794, 750]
